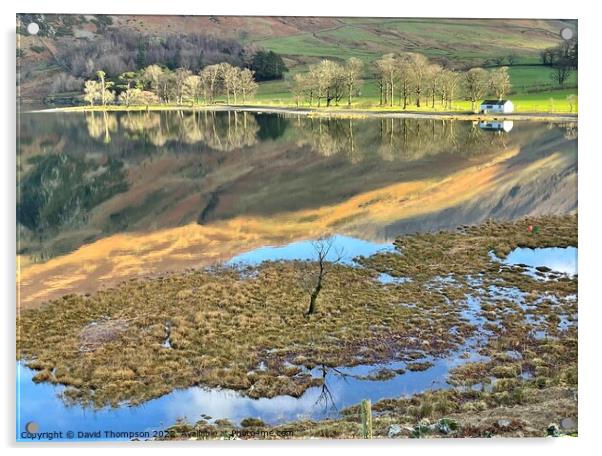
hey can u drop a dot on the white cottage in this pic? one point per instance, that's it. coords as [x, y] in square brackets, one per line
[497, 106]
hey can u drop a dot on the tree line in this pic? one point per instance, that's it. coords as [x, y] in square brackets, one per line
[563, 59]
[155, 84]
[402, 79]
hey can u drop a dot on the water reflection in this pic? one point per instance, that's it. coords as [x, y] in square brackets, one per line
[391, 138]
[497, 125]
[342, 388]
[188, 188]
[345, 248]
[557, 259]
[220, 131]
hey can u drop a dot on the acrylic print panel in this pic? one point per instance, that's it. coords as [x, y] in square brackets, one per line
[296, 227]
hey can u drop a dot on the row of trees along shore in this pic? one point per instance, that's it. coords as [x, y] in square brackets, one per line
[404, 80]
[155, 84]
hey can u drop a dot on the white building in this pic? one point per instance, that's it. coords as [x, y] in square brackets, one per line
[497, 106]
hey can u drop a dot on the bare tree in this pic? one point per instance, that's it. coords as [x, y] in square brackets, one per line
[180, 76]
[322, 247]
[449, 87]
[572, 101]
[167, 86]
[353, 71]
[404, 74]
[230, 76]
[329, 81]
[387, 69]
[106, 96]
[192, 88]
[475, 85]
[298, 87]
[248, 86]
[91, 91]
[499, 82]
[210, 78]
[561, 70]
[420, 69]
[434, 81]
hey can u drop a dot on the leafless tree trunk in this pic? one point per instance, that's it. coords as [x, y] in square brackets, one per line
[322, 247]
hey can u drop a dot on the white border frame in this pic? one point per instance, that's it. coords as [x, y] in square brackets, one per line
[589, 218]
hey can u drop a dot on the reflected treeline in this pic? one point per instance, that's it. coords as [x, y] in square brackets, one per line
[220, 131]
[357, 139]
[395, 138]
[570, 129]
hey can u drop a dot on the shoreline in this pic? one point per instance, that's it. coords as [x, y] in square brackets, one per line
[327, 112]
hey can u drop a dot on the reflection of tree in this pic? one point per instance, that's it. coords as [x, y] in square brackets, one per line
[139, 126]
[570, 130]
[220, 131]
[394, 138]
[410, 139]
[233, 131]
[327, 136]
[101, 125]
[325, 398]
[357, 139]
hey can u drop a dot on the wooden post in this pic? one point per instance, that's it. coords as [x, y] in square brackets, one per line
[366, 417]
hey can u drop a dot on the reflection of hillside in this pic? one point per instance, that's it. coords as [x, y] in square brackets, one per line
[540, 178]
[177, 171]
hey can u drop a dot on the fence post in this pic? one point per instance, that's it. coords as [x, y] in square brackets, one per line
[366, 417]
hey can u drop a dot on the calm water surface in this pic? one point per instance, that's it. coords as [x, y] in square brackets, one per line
[262, 187]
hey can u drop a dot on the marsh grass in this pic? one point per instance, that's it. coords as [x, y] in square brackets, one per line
[248, 331]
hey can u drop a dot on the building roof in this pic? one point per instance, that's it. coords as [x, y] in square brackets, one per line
[495, 102]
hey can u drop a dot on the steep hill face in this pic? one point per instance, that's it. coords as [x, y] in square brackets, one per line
[300, 40]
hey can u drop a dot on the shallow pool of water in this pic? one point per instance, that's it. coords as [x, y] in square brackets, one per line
[558, 259]
[342, 387]
[345, 248]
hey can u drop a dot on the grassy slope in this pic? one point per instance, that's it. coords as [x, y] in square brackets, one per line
[467, 42]
[303, 41]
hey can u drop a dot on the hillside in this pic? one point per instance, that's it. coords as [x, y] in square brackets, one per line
[300, 40]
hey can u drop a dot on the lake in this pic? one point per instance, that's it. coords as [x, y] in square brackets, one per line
[103, 197]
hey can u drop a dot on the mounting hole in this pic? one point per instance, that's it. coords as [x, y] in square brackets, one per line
[32, 427]
[566, 33]
[33, 28]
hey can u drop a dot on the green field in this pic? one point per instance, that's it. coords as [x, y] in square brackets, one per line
[465, 41]
[532, 91]
[461, 42]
